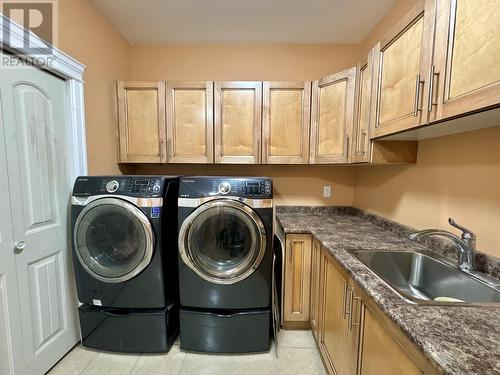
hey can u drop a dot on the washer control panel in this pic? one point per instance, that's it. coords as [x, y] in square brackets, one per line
[127, 185]
[204, 186]
[145, 186]
[256, 187]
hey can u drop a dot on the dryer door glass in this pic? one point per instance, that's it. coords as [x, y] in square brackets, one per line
[225, 241]
[113, 240]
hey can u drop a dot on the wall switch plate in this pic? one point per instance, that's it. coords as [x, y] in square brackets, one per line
[327, 191]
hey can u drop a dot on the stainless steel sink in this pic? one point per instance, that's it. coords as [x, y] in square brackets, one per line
[421, 278]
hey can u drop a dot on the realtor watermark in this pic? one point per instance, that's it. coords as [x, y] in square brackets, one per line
[36, 17]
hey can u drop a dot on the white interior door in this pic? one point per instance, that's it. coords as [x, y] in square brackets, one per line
[36, 131]
[10, 323]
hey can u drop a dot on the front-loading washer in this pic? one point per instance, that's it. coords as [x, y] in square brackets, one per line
[225, 263]
[125, 261]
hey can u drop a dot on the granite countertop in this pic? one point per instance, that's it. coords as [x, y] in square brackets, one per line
[456, 339]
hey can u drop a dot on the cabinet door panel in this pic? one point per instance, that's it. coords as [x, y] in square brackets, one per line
[332, 117]
[476, 46]
[360, 137]
[334, 333]
[238, 125]
[141, 121]
[467, 56]
[381, 353]
[190, 122]
[286, 119]
[401, 65]
[297, 278]
[397, 87]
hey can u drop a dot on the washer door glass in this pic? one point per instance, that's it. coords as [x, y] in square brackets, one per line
[113, 239]
[225, 241]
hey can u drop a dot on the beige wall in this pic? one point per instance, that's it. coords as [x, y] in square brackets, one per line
[455, 176]
[88, 37]
[240, 62]
[293, 184]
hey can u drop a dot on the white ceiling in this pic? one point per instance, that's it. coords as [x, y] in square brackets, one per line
[244, 21]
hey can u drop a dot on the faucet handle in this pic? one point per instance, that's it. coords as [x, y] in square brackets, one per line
[467, 234]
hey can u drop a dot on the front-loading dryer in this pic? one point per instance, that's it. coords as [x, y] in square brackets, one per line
[225, 263]
[125, 261]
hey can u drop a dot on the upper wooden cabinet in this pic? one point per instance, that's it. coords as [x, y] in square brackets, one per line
[190, 122]
[285, 122]
[402, 62]
[141, 122]
[238, 122]
[332, 117]
[466, 71]
[360, 139]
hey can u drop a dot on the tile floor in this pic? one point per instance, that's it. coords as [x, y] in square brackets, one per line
[297, 354]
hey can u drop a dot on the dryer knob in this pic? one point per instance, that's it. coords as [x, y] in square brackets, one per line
[224, 187]
[112, 186]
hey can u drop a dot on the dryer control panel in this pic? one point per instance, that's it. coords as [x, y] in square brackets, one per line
[133, 186]
[208, 186]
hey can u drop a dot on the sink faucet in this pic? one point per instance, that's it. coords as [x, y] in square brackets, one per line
[466, 243]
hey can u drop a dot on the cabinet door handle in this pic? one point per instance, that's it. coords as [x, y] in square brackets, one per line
[169, 143]
[290, 258]
[364, 133]
[430, 102]
[162, 153]
[347, 149]
[352, 323]
[418, 84]
[259, 152]
[348, 303]
[344, 301]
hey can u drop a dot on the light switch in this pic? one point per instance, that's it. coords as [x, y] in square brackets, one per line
[327, 191]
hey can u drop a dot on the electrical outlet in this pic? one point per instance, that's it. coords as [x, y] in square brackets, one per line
[327, 191]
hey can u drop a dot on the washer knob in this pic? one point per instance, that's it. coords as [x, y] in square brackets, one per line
[224, 187]
[112, 186]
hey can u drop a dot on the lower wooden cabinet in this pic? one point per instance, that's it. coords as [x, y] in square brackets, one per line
[355, 336]
[336, 339]
[380, 352]
[297, 280]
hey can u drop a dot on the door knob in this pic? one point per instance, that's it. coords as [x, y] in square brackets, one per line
[20, 245]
